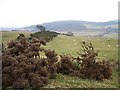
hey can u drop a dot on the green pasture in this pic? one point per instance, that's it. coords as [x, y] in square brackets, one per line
[66, 81]
[11, 35]
[72, 45]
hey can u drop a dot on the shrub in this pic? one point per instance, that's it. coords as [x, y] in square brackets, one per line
[47, 35]
[66, 65]
[85, 65]
[22, 66]
[90, 68]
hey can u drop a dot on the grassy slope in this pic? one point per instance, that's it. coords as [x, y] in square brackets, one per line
[71, 45]
[66, 81]
[65, 44]
[6, 36]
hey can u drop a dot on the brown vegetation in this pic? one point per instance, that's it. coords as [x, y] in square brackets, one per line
[90, 68]
[87, 66]
[22, 66]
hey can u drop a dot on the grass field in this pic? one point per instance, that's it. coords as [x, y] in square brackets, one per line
[71, 45]
[65, 81]
[6, 36]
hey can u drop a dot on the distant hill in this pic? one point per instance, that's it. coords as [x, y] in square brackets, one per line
[63, 26]
[78, 26]
[75, 26]
[8, 28]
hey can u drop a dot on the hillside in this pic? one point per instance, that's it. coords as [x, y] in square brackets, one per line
[74, 26]
[77, 26]
[63, 26]
[83, 26]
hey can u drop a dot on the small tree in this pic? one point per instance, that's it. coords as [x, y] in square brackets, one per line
[69, 33]
[40, 28]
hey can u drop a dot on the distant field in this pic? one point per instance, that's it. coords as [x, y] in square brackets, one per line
[6, 36]
[71, 45]
[113, 35]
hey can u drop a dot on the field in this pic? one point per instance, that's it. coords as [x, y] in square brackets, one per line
[6, 36]
[71, 45]
[107, 48]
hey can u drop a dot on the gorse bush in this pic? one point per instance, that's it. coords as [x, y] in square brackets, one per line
[22, 66]
[51, 59]
[85, 65]
[90, 68]
[66, 65]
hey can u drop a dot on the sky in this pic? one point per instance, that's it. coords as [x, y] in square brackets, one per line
[30, 12]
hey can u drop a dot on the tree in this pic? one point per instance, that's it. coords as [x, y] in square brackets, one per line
[69, 33]
[40, 28]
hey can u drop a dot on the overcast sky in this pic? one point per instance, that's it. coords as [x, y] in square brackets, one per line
[29, 12]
